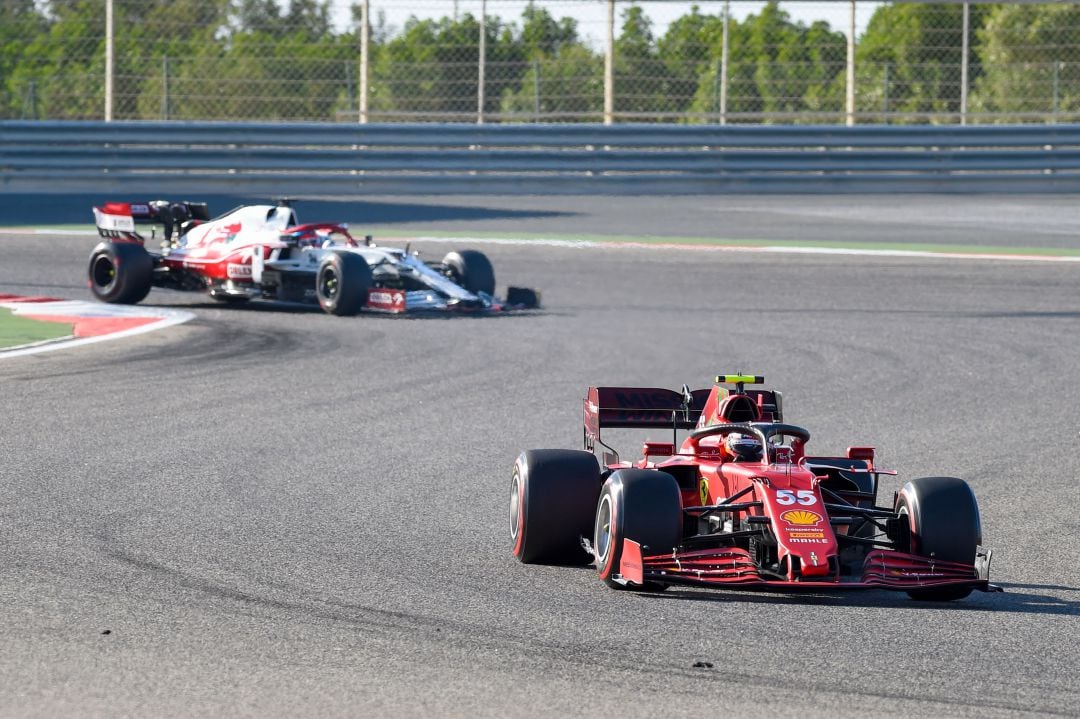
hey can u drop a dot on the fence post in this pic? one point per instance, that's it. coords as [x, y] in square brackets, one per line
[715, 106]
[30, 103]
[349, 88]
[1057, 88]
[536, 88]
[108, 60]
[724, 54]
[365, 37]
[964, 63]
[609, 66]
[165, 87]
[885, 92]
[850, 75]
[481, 64]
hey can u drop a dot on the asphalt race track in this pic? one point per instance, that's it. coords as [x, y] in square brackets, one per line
[1025, 220]
[274, 512]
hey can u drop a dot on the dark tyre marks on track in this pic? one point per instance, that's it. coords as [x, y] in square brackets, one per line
[317, 524]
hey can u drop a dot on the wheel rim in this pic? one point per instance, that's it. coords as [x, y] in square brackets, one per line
[602, 540]
[515, 505]
[103, 273]
[328, 286]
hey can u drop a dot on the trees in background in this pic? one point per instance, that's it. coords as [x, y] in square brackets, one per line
[909, 58]
[1027, 55]
[431, 67]
[691, 50]
[775, 65]
[59, 61]
[561, 75]
[21, 25]
[782, 66]
[275, 59]
[269, 63]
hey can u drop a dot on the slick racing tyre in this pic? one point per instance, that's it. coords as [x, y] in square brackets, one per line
[638, 504]
[120, 272]
[342, 283]
[472, 270]
[944, 520]
[552, 498]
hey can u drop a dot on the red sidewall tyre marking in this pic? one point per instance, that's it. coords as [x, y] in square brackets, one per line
[613, 539]
[913, 540]
[520, 543]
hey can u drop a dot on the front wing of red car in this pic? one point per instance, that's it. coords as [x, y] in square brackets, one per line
[734, 567]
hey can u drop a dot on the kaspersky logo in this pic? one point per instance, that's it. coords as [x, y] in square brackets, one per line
[801, 517]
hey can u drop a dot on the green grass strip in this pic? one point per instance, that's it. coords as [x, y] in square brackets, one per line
[16, 331]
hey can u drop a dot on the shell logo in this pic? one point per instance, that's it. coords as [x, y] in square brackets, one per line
[801, 517]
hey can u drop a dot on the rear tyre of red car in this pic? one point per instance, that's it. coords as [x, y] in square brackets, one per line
[472, 270]
[342, 283]
[944, 520]
[638, 504]
[120, 272]
[552, 499]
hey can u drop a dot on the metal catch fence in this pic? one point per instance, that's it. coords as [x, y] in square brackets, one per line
[545, 61]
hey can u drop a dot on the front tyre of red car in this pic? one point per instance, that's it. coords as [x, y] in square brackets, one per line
[639, 504]
[120, 272]
[552, 497]
[944, 520]
[342, 283]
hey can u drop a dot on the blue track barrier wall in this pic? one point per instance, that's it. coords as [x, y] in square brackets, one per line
[56, 156]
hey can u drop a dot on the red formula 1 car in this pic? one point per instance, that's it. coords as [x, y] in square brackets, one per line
[739, 503]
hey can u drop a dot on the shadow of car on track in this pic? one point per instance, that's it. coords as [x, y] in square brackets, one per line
[38, 209]
[1008, 601]
[271, 307]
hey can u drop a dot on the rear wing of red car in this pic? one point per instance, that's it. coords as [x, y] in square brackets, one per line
[640, 408]
[116, 220]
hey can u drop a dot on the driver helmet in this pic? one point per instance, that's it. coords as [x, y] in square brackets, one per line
[743, 447]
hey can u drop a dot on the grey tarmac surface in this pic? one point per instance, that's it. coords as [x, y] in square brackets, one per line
[1012, 221]
[275, 512]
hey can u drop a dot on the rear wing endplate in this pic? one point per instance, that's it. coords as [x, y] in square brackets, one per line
[116, 220]
[640, 408]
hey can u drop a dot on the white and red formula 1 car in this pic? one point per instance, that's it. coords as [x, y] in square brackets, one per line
[263, 252]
